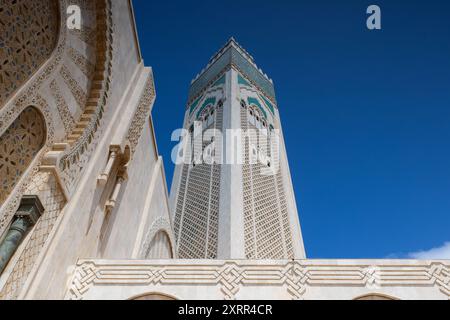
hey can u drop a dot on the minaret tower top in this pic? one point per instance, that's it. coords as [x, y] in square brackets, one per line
[232, 196]
[232, 55]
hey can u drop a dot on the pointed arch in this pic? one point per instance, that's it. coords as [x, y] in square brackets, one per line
[159, 242]
[19, 145]
[160, 247]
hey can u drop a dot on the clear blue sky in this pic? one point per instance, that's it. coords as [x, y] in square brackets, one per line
[365, 114]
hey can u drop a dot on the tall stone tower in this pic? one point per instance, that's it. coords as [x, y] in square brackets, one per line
[232, 195]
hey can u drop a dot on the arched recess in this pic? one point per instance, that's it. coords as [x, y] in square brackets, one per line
[19, 145]
[154, 296]
[375, 296]
[148, 247]
[29, 32]
[159, 247]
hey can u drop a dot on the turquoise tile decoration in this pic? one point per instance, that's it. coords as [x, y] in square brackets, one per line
[228, 58]
[247, 69]
[254, 101]
[194, 105]
[268, 104]
[242, 81]
[220, 81]
[208, 101]
[208, 76]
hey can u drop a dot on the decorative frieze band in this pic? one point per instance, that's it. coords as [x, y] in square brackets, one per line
[141, 114]
[296, 276]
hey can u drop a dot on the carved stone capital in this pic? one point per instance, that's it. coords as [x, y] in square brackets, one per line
[51, 163]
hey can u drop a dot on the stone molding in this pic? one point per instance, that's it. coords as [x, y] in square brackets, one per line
[12, 202]
[83, 139]
[28, 95]
[295, 276]
[37, 91]
[141, 114]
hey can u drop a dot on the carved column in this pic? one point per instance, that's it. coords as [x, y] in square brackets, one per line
[104, 176]
[27, 215]
[111, 203]
[113, 176]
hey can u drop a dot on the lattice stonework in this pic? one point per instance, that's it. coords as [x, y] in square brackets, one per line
[28, 36]
[63, 109]
[18, 147]
[95, 59]
[77, 92]
[82, 62]
[197, 215]
[266, 224]
[44, 185]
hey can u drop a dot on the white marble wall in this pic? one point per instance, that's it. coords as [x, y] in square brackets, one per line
[85, 228]
[262, 279]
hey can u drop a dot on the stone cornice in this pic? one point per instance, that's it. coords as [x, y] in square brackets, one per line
[296, 277]
[232, 54]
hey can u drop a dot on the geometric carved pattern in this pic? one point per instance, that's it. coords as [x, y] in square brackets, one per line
[45, 186]
[18, 147]
[266, 224]
[197, 208]
[294, 276]
[86, 34]
[11, 204]
[28, 34]
[63, 108]
[441, 274]
[83, 279]
[142, 113]
[39, 9]
[82, 62]
[84, 137]
[72, 84]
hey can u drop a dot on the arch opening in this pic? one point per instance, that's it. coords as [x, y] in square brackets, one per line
[19, 145]
[154, 296]
[160, 247]
[375, 296]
